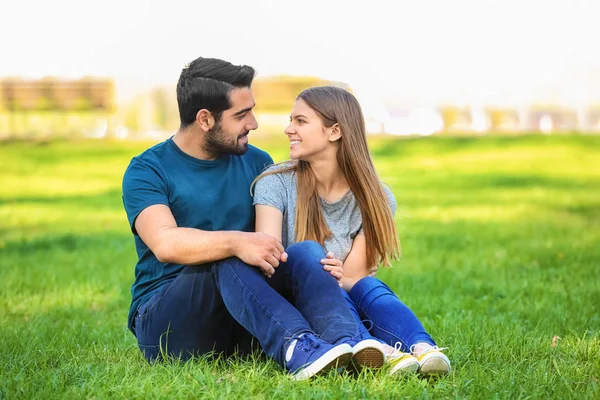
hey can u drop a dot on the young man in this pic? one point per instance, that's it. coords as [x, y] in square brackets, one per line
[200, 281]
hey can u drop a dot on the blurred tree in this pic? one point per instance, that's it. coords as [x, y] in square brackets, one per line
[132, 112]
[159, 98]
[165, 111]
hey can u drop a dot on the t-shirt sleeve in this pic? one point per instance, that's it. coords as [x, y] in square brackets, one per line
[268, 161]
[262, 161]
[143, 187]
[270, 190]
[391, 201]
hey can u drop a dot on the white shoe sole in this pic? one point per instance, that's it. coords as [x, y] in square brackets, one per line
[408, 366]
[368, 353]
[337, 357]
[434, 363]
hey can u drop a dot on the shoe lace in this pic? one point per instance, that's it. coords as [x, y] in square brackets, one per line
[398, 347]
[362, 329]
[397, 353]
[305, 341]
[397, 356]
[433, 348]
[364, 323]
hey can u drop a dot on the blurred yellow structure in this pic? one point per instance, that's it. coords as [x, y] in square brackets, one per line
[277, 94]
[50, 106]
[275, 97]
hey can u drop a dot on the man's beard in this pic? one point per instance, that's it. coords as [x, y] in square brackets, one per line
[217, 143]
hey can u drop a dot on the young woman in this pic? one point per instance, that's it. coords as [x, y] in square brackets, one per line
[330, 193]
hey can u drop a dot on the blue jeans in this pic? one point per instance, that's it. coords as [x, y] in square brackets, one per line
[385, 316]
[222, 307]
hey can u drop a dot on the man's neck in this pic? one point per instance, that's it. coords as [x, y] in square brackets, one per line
[191, 143]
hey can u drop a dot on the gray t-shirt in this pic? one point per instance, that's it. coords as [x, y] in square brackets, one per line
[343, 216]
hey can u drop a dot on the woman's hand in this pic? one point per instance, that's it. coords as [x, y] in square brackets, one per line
[334, 266]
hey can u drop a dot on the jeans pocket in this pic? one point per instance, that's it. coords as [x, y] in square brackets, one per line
[150, 352]
[145, 309]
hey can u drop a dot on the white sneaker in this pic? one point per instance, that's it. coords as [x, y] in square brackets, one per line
[433, 362]
[402, 362]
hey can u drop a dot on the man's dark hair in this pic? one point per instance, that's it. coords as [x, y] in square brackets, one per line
[206, 83]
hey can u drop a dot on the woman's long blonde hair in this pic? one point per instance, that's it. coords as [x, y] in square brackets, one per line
[337, 105]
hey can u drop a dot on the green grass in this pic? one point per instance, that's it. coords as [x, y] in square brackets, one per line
[500, 254]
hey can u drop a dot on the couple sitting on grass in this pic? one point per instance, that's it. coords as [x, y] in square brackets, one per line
[292, 266]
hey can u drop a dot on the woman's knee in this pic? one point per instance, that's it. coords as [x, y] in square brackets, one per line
[369, 283]
[368, 289]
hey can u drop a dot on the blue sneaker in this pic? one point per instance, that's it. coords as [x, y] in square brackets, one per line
[307, 356]
[367, 353]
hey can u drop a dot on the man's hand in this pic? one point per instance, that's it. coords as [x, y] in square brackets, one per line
[334, 266]
[260, 250]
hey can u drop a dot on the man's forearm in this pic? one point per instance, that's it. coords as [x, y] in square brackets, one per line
[188, 246]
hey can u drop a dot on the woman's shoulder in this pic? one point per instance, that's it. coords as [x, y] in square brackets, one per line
[389, 196]
[281, 168]
[388, 191]
[277, 173]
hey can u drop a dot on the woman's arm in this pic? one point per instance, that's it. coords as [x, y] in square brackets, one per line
[269, 220]
[355, 266]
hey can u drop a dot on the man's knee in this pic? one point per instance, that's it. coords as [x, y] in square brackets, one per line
[304, 260]
[232, 267]
[308, 249]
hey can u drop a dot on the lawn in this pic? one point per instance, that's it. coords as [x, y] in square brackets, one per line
[500, 240]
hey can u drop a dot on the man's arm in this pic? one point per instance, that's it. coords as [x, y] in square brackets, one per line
[157, 227]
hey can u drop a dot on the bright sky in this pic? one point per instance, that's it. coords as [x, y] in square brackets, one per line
[417, 51]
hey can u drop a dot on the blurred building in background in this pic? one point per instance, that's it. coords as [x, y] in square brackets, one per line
[56, 107]
[87, 107]
[275, 96]
[449, 119]
[594, 119]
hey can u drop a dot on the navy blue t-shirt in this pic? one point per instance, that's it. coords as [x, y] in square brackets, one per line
[208, 195]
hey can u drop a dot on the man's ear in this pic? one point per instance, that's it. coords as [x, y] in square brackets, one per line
[205, 119]
[336, 133]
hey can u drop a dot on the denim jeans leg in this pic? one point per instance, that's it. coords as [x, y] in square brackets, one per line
[316, 293]
[187, 317]
[361, 320]
[258, 307]
[392, 320]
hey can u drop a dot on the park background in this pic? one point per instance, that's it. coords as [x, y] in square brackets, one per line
[483, 117]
